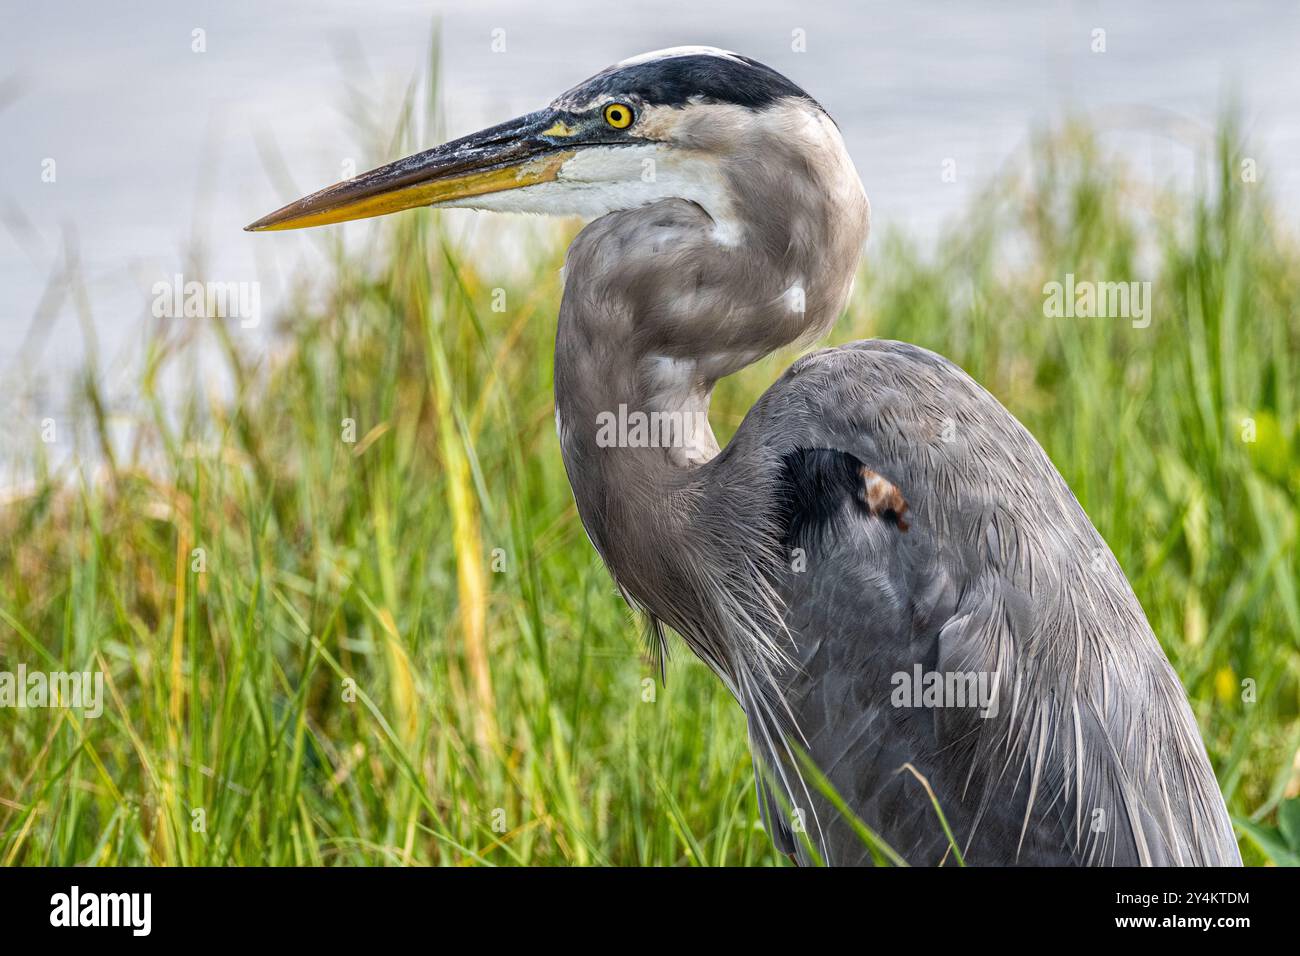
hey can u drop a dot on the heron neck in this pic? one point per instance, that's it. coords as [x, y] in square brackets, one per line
[634, 420]
[635, 439]
[633, 429]
[656, 311]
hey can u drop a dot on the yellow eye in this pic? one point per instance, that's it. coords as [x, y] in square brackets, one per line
[618, 115]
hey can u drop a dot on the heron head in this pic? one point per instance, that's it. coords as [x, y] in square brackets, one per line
[691, 123]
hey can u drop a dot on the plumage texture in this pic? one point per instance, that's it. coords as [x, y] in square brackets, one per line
[1092, 755]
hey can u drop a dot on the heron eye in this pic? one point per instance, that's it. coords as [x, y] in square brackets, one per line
[618, 115]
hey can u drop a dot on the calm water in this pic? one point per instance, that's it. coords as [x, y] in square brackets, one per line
[159, 150]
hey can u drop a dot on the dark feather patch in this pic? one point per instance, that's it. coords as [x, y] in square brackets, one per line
[676, 80]
[817, 484]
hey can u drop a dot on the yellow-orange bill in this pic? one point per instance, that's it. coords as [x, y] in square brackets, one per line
[519, 153]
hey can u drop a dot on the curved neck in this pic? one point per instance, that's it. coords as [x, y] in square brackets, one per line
[657, 308]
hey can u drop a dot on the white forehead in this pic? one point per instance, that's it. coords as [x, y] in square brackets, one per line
[675, 51]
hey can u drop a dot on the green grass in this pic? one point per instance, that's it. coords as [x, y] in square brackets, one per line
[403, 650]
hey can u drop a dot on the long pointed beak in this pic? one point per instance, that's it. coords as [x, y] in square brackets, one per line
[521, 152]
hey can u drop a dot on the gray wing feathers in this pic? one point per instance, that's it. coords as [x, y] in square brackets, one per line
[1092, 755]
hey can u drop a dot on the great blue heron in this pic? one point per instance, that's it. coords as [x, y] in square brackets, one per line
[882, 565]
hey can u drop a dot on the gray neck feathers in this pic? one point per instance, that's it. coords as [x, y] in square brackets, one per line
[656, 310]
[663, 300]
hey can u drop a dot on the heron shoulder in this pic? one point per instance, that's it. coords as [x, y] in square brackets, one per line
[977, 483]
[895, 402]
[1018, 585]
